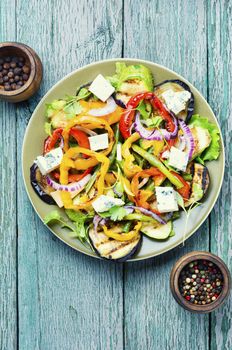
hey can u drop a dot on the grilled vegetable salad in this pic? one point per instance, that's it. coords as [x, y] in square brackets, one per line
[123, 158]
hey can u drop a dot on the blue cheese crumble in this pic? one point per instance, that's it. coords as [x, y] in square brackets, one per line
[104, 203]
[178, 159]
[176, 101]
[166, 199]
[50, 161]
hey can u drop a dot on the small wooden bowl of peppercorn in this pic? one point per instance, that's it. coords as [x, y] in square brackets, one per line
[200, 282]
[20, 72]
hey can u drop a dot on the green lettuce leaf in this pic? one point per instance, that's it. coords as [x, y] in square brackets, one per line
[131, 72]
[54, 216]
[83, 94]
[79, 219]
[212, 152]
[48, 128]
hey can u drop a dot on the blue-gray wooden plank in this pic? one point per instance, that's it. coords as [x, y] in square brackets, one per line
[220, 98]
[8, 235]
[66, 300]
[172, 33]
[60, 292]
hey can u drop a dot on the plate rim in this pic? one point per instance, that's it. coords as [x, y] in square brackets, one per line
[135, 60]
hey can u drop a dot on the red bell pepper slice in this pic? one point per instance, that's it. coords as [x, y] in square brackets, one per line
[127, 117]
[81, 138]
[50, 142]
[157, 104]
[185, 190]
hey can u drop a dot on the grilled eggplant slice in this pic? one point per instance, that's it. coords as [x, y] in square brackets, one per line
[176, 86]
[200, 182]
[40, 186]
[111, 249]
[130, 80]
[127, 90]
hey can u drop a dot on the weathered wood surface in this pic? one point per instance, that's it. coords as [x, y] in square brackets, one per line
[8, 206]
[50, 296]
[220, 98]
[157, 322]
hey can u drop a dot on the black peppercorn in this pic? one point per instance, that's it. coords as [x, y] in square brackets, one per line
[4, 72]
[7, 87]
[20, 64]
[25, 77]
[7, 59]
[17, 71]
[13, 65]
[15, 59]
[13, 86]
[6, 66]
[11, 80]
[10, 74]
[26, 69]
[5, 78]
[16, 78]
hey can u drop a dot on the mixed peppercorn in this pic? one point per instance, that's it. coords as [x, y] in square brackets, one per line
[14, 73]
[201, 282]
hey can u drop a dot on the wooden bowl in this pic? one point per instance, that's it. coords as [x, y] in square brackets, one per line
[175, 274]
[36, 73]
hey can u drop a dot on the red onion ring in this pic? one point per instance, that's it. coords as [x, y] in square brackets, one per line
[75, 186]
[154, 134]
[109, 108]
[188, 138]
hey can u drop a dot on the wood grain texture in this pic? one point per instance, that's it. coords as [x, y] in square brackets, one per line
[69, 301]
[220, 98]
[172, 33]
[8, 231]
[66, 300]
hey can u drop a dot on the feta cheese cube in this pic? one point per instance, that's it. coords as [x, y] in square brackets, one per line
[101, 88]
[166, 199]
[176, 101]
[178, 159]
[99, 142]
[50, 161]
[104, 203]
[56, 195]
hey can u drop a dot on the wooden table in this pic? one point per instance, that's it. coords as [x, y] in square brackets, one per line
[52, 297]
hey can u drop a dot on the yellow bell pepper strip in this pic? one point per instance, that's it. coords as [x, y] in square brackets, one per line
[91, 123]
[111, 118]
[157, 145]
[127, 186]
[129, 168]
[68, 163]
[110, 179]
[122, 237]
